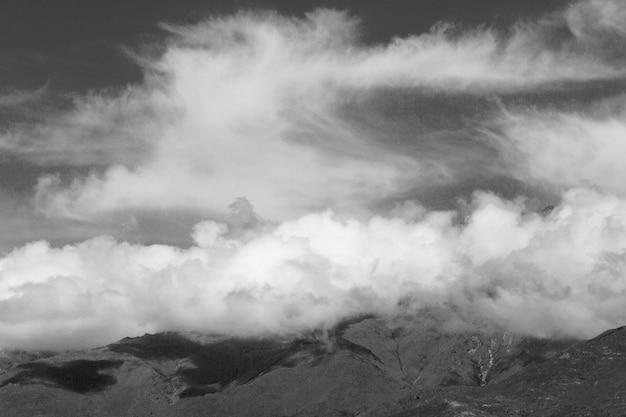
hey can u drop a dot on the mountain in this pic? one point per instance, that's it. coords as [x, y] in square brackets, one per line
[368, 367]
[586, 379]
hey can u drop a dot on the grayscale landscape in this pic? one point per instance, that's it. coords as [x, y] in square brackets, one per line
[363, 367]
[313, 208]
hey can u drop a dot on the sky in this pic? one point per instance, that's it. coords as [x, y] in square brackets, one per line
[273, 167]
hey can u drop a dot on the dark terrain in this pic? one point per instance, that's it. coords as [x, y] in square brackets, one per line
[365, 367]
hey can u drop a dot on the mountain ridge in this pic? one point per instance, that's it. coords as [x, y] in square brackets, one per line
[369, 367]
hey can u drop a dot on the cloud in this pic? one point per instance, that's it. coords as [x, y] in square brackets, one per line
[554, 274]
[19, 98]
[100, 130]
[597, 19]
[335, 142]
[257, 104]
[560, 150]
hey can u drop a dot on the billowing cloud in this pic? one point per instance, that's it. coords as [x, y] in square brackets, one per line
[554, 274]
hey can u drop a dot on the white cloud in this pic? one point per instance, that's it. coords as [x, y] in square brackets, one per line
[557, 274]
[566, 149]
[597, 18]
[251, 104]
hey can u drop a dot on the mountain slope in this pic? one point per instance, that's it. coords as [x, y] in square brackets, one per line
[587, 379]
[364, 367]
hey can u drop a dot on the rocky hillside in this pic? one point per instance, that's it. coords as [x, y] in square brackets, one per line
[365, 367]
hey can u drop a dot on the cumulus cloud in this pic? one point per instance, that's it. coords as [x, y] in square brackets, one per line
[554, 274]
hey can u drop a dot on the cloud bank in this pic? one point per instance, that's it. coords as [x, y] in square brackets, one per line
[335, 142]
[554, 274]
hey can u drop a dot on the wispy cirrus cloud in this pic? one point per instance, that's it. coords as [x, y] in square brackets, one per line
[560, 150]
[254, 104]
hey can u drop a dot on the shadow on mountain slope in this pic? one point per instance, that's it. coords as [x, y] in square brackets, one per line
[81, 376]
[235, 360]
[366, 367]
[218, 364]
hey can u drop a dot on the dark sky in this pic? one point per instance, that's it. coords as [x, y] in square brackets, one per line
[77, 44]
